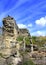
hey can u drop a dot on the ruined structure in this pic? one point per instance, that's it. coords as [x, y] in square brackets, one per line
[24, 32]
[8, 36]
[10, 31]
[9, 46]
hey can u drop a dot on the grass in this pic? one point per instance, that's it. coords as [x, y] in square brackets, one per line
[1, 55]
[29, 62]
[9, 64]
[20, 38]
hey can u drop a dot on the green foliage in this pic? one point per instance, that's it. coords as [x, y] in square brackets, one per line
[29, 62]
[38, 40]
[9, 64]
[27, 40]
[1, 55]
[34, 39]
[26, 59]
[20, 38]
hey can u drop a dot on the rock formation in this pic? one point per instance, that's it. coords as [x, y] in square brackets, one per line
[9, 31]
[9, 47]
[24, 32]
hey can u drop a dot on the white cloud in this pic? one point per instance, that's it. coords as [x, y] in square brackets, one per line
[22, 26]
[41, 21]
[36, 33]
[39, 33]
[29, 25]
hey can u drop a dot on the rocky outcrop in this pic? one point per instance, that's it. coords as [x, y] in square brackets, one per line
[24, 32]
[11, 60]
[2, 61]
[9, 31]
[9, 46]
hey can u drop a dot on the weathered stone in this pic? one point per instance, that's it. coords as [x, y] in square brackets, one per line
[2, 61]
[14, 60]
[9, 47]
[9, 31]
[24, 32]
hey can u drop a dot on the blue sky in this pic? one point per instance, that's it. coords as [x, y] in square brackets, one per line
[30, 14]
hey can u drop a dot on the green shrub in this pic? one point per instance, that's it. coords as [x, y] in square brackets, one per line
[29, 62]
[20, 38]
